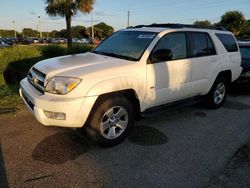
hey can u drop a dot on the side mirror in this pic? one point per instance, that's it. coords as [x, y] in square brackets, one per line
[161, 55]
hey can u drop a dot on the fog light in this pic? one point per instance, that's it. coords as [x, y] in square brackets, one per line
[48, 114]
[55, 115]
[59, 116]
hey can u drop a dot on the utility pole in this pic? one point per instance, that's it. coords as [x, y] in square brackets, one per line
[128, 18]
[39, 26]
[92, 27]
[14, 28]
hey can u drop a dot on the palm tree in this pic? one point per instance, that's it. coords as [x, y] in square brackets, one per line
[67, 9]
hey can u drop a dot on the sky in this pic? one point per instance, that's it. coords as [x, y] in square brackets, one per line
[24, 13]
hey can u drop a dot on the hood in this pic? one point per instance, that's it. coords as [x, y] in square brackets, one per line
[68, 64]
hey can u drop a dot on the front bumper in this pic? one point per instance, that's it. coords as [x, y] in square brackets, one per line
[76, 109]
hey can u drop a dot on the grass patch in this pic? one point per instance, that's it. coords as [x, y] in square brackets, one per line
[79, 48]
[52, 51]
[9, 96]
[12, 69]
[15, 54]
[60, 50]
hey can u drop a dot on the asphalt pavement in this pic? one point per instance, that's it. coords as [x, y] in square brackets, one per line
[189, 147]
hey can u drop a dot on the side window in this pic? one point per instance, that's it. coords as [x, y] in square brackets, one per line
[201, 45]
[176, 42]
[228, 42]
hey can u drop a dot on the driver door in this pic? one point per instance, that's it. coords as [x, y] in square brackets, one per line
[169, 81]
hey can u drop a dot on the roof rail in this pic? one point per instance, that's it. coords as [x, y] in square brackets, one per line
[176, 25]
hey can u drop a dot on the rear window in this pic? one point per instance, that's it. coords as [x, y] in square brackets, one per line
[228, 41]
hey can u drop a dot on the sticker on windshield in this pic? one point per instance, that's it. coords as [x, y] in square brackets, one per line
[145, 36]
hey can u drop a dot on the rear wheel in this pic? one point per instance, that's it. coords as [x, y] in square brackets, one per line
[218, 93]
[111, 119]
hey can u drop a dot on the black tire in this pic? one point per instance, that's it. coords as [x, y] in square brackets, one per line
[211, 102]
[98, 115]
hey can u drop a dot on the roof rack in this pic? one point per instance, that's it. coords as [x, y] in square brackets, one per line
[176, 25]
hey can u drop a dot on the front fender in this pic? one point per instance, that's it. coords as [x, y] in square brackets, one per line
[116, 84]
[121, 84]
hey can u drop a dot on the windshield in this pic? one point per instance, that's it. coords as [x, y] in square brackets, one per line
[245, 52]
[128, 45]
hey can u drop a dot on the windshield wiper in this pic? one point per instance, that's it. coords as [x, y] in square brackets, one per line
[98, 52]
[115, 55]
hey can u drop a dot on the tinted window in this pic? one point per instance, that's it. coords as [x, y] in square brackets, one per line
[176, 42]
[245, 52]
[126, 44]
[201, 45]
[228, 41]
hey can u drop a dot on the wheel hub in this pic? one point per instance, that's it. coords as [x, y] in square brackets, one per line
[219, 93]
[114, 122]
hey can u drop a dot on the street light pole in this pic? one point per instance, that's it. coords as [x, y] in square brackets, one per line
[14, 28]
[128, 18]
[92, 26]
[39, 26]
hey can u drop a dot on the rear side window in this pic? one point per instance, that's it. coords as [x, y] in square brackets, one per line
[228, 41]
[201, 45]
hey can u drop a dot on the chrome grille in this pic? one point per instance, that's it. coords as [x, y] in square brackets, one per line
[36, 78]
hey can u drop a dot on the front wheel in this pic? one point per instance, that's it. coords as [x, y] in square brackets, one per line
[112, 119]
[218, 93]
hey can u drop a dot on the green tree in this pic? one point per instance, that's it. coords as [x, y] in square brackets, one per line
[28, 32]
[245, 30]
[46, 34]
[105, 29]
[7, 33]
[101, 30]
[233, 21]
[203, 23]
[67, 9]
[64, 33]
[79, 31]
[54, 34]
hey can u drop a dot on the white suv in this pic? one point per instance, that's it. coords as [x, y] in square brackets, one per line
[132, 71]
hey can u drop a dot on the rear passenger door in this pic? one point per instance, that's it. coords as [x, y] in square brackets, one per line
[204, 60]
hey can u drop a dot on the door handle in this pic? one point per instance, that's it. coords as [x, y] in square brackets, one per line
[213, 60]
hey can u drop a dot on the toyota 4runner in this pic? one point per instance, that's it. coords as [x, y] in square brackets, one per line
[130, 72]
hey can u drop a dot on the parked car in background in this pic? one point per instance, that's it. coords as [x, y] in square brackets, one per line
[81, 41]
[8, 41]
[57, 40]
[76, 40]
[35, 40]
[84, 41]
[3, 44]
[243, 82]
[245, 55]
[43, 40]
[13, 40]
[96, 41]
[27, 41]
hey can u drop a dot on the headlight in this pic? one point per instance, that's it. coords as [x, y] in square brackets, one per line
[62, 85]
